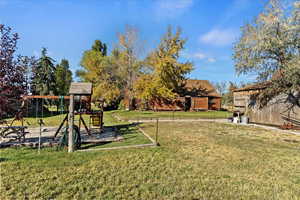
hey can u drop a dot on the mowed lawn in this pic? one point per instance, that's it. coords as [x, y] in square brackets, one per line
[140, 115]
[56, 119]
[196, 160]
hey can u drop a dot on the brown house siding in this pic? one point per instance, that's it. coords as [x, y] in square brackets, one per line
[160, 105]
[199, 103]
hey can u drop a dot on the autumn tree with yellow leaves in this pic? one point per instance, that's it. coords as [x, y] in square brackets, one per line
[166, 74]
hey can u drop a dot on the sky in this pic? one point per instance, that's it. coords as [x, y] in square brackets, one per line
[68, 27]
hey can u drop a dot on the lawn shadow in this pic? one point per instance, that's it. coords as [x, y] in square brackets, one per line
[3, 159]
[91, 145]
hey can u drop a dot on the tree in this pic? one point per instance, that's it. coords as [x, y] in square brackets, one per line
[13, 68]
[102, 71]
[100, 47]
[229, 96]
[221, 87]
[129, 64]
[117, 71]
[44, 75]
[63, 77]
[270, 48]
[166, 75]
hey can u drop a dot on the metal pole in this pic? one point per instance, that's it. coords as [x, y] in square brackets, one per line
[156, 133]
[40, 122]
[71, 123]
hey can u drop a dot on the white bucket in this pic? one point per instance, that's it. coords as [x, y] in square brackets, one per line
[245, 120]
[236, 120]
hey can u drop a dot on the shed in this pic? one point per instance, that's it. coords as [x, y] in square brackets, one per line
[274, 113]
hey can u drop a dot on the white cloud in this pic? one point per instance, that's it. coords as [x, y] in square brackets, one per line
[219, 37]
[211, 60]
[172, 8]
[199, 56]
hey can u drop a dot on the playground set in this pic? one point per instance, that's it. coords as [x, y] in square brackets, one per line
[79, 105]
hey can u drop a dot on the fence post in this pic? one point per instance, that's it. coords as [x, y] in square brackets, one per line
[156, 132]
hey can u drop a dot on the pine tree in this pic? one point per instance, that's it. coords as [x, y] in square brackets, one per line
[44, 75]
[63, 77]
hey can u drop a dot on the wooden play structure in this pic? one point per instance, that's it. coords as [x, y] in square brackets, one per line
[79, 90]
[79, 105]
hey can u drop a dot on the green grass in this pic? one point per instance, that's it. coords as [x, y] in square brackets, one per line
[132, 136]
[196, 160]
[55, 120]
[139, 115]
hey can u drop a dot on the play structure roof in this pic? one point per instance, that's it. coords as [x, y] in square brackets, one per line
[81, 89]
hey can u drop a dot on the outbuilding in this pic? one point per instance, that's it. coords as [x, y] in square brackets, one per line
[274, 113]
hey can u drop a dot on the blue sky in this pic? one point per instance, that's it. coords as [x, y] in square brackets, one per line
[68, 27]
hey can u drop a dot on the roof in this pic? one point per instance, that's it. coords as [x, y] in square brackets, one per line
[202, 85]
[257, 86]
[81, 88]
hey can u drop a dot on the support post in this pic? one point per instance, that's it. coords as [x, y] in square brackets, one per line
[71, 123]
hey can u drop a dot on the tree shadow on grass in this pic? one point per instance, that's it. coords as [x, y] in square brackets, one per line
[91, 145]
[3, 159]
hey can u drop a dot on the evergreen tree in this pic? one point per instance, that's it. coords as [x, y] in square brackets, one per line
[63, 77]
[100, 47]
[44, 75]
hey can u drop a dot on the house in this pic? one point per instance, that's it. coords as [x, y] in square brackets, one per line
[201, 95]
[274, 113]
[197, 95]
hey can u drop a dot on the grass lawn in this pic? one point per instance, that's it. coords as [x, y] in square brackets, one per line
[139, 115]
[196, 160]
[55, 120]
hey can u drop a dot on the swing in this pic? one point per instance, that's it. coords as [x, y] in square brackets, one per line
[16, 132]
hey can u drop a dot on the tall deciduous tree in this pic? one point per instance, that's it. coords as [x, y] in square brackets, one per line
[270, 47]
[13, 70]
[63, 77]
[102, 71]
[221, 87]
[167, 73]
[129, 64]
[44, 75]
